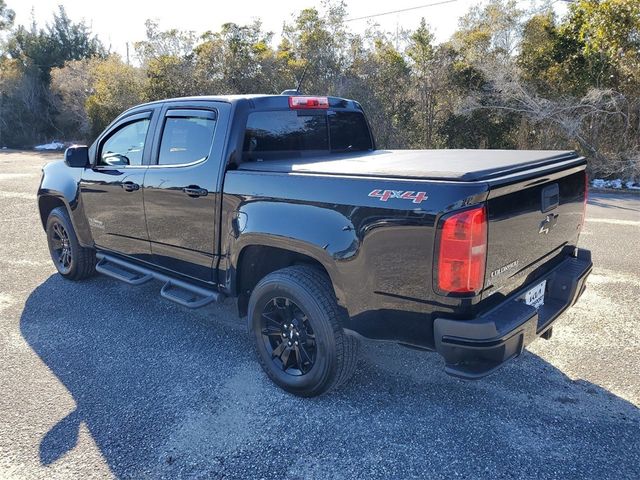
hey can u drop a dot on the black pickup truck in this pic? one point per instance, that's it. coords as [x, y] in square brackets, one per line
[284, 202]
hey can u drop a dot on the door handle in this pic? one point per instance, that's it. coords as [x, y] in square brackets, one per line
[130, 186]
[195, 191]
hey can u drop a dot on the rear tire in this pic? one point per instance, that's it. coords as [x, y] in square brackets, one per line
[296, 326]
[72, 260]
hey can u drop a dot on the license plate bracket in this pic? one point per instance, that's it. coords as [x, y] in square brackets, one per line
[535, 296]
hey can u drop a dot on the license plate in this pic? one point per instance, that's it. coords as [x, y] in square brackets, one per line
[535, 296]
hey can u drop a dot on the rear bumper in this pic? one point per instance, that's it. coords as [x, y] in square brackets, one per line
[476, 347]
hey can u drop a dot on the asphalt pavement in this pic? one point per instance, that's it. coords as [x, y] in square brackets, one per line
[99, 379]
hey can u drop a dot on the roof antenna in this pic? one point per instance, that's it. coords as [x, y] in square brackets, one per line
[304, 74]
[297, 90]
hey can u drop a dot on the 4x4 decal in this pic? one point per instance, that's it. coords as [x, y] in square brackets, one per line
[384, 195]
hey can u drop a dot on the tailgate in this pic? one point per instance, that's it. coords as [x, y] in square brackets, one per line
[533, 225]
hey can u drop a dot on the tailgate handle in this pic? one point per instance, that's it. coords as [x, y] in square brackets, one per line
[550, 197]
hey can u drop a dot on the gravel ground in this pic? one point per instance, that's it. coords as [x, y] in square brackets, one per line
[98, 379]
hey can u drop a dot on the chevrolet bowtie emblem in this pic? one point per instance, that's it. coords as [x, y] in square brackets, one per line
[548, 223]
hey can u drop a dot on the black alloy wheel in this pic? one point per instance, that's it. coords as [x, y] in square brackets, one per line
[61, 250]
[72, 260]
[288, 336]
[296, 326]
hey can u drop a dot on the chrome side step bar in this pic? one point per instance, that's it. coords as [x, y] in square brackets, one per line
[174, 289]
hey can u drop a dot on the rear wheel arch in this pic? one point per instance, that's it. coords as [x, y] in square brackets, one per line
[257, 261]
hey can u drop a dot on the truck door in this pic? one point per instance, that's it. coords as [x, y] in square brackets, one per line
[111, 191]
[182, 187]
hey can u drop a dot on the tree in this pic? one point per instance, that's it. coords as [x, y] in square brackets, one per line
[33, 53]
[379, 79]
[607, 36]
[585, 75]
[483, 47]
[490, 33]
[596, 46]
[24, 114]
[7, 16]
[71, 86]
[116, 87]
[428, 75]
[170, 76]
[238, 59]
[538, 58]
[507, 78]
[167, 57]
[60, 41]
[169, 43]
[314, 48]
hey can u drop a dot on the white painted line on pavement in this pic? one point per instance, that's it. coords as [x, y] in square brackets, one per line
[25, 196]
[631, 223]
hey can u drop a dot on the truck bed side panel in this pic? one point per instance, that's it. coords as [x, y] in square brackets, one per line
[377, 253]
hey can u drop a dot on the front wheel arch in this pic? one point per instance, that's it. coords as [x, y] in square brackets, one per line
[46, 204]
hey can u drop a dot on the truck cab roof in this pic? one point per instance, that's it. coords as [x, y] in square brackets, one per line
[257, 101]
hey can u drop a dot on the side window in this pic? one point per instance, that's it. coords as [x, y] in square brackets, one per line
[126, 145]
[186, 139]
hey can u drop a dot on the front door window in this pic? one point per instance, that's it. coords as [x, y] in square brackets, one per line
[125, 146]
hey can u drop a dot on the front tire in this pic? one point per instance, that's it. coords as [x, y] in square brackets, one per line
[296, 326]
[72, 260]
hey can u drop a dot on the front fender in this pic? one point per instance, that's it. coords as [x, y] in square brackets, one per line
[321, 233]
[61, 182]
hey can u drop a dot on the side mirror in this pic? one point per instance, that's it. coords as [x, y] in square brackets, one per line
[77, 156]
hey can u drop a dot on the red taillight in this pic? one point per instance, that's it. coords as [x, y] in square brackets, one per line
[298, 103]
[463, 252]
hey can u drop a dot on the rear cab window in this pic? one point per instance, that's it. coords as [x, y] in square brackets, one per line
[286, 133]
[349, 132]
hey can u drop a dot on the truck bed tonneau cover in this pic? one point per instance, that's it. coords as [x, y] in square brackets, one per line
[455, 165]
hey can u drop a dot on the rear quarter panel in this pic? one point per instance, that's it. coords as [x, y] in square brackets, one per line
[377, 253]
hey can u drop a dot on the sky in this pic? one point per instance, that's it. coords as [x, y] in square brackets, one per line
[117, 22]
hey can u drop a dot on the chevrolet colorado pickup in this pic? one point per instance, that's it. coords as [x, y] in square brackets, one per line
[284, 202]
